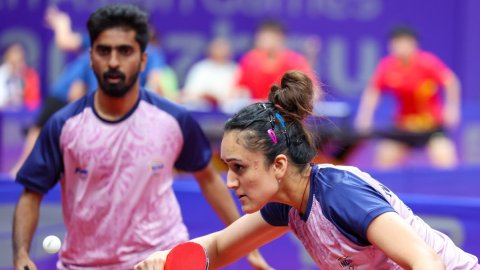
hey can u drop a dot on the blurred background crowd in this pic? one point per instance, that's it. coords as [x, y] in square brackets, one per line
[397, 83]
[216, 56]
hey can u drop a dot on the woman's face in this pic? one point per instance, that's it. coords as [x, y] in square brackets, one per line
[253, 182]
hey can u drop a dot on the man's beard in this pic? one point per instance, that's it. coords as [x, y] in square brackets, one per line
[118, 89]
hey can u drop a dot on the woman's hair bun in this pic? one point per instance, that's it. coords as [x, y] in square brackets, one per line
[294, 97]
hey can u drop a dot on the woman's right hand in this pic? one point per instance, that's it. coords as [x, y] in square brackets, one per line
[155, 261]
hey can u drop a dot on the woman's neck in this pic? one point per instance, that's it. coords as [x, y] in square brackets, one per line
[295, 189]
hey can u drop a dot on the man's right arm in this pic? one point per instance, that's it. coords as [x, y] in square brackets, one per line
[25, 222]
[366, 109]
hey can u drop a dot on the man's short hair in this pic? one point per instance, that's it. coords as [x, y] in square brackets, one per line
[402, 31]
[119, 15]
[272, 25]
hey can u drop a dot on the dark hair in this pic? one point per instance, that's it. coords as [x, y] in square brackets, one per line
[289, 105]
[402, 31]
[271, 25]
[112, 16]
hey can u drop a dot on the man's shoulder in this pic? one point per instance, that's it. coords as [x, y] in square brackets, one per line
[252, 56]
[428, 57]
[203, 65]
[30, 72]
[388, 60]
[72, 109]
[163, 103]
[293, 53]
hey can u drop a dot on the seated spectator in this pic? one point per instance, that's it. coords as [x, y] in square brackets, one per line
[19, 83]
[210, 82]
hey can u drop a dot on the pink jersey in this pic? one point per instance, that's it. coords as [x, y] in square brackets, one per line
[116, 179]
[342, 203]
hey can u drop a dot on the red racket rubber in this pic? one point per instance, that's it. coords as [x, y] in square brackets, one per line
[187, 256]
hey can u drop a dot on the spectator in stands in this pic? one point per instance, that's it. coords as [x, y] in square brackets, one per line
[265, 64]
[210, 82]
[414, 77]
[19, 83]
[158, 76]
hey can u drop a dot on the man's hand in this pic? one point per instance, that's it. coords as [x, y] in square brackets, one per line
[61, 24]
[451, 116]
[363, 125]
[257, 261]
[24, 262]
[56, 19]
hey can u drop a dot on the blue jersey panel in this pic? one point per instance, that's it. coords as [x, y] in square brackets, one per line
[43, 167]
[276, 214]
[349, 202]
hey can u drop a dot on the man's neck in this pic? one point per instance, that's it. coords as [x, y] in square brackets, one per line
[114, 108]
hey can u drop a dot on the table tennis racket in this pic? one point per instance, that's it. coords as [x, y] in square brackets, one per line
[187, 256]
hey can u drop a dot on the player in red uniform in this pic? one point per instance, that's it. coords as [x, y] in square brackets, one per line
[265, 64]
[415, 78]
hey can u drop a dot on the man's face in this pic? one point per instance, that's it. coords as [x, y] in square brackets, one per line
[220, 50]
[117, 61]
[270, 40]
[15, 58]
[403, 47]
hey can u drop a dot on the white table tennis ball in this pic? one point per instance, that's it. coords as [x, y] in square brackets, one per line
[51, 244]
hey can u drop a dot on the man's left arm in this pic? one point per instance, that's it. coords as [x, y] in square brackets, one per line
[444, 75]
[451, 111]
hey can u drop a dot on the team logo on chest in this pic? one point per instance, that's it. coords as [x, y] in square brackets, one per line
[156, 166]
[82, 173]
[346, 263]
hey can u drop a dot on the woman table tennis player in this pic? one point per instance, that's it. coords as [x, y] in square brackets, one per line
[344, 217]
